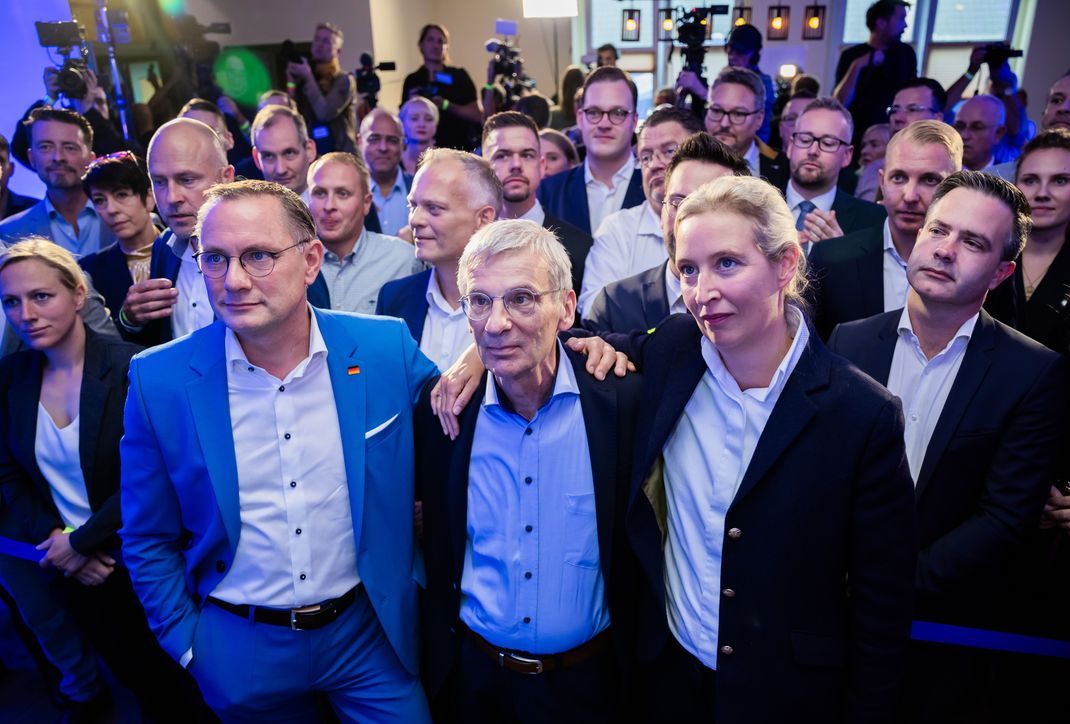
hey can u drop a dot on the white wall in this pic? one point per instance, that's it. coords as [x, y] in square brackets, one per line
[1046, 57]
[395, 26]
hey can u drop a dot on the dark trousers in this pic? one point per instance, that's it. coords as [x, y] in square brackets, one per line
[679, 687]
[114, 622]
[480, 691]
[947, 684]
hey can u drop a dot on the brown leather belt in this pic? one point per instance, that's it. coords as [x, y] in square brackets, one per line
[296, 619]
[524, 663]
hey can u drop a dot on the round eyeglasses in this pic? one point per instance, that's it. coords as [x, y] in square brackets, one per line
[255, 262]
[517, 302]
[617, 116]
[830, 144]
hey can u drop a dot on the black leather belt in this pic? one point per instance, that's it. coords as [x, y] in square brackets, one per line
[304, 618]
[525, 663]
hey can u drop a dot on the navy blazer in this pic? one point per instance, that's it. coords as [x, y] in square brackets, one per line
[988, 466]
[565, 195]
[609, 414]
[822, 565]
[406, 298]
[577, 243]
[634, 303]
[847, 278]
[855, 214]
[29, 512]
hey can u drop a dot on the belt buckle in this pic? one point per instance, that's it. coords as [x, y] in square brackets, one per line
[521, 660]
[304, 609]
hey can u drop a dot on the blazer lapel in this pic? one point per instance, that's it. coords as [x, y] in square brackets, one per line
[94, 399]
[975, 363]
[599, 406]
[576, 200]
[876, 359]
[414, 311]
[209, 404]
[845, 210]
[871, 272]
[655, 297]
[792, 413]
[634, 195]
[23, 399]
[457, 479]
[350, 399]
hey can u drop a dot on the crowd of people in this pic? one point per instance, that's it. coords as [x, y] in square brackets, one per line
[751, 410]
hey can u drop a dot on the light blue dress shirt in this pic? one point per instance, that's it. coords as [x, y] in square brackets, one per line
[393, 210]
[532, 579]
[87, 240]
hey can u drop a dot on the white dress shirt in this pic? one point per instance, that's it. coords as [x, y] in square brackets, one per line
[752, 157]
[536, 213]
[672, 291]
[603, 200]
[56, 451]
[706, 458]
[446, 333]
[192, 309]
[628, 242]
[296, 545]
[794, 198]
[895, 274]
[922, 385]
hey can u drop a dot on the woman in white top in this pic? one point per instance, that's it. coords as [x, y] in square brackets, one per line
[60, 426]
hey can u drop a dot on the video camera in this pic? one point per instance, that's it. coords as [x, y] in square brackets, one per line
[368, 83]
[996, 54]
[69, 37]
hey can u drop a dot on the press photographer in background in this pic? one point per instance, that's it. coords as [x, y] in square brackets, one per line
[325, 94]
[449, 88]
[1003, 84]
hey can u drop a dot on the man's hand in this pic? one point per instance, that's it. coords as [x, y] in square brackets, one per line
[455, 388]
[1056, 511]
[601, 357]
[491, 75]
[688, 81]
[300, 71]
[874, 58]
[60, 554]
[977, 57]
[51, 78]
[96, 570]
[818, 226]
[149, 300]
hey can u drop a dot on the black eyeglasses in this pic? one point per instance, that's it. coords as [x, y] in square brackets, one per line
[617, 116]
[735, 117]
[664, 154]
[912, 108]
[256, 262]
[975, 127]
[826, 143]
[520, 302]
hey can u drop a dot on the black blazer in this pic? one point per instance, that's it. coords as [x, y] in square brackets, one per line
[855, 214]
[822, 568]
[772, 165]
[609, 414]
[847, 278]
[577, 243]
[564, 195]
[406, 298]
[1045, 316]
[29, 512]
[988, 466]
[634, 303]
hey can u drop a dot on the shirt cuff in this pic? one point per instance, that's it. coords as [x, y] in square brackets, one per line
[186, 658]
[127, 324]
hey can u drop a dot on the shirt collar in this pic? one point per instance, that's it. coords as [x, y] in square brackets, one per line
[823, 202]
[751, 157]
[399, 184]
[535, 213]
[889, 245]
[649, 223]
[352, 252]
[175, 243]
[316, 346]
[53, 212]
[906, 329]
[800, 337]
[672, 287]
[621, 175]
[436, 298]
[564, 382]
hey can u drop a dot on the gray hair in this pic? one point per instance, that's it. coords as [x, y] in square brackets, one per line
[295, 213]
[759, 202]
[377, 113]
[499, 237]
[746, 78]
[484, 188]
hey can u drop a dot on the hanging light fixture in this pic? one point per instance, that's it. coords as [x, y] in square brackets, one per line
[741, 16]
[666, 24]
[814, 22]
[629, 26]
[779, 22]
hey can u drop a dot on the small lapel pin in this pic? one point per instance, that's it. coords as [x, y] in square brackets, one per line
[354, 370]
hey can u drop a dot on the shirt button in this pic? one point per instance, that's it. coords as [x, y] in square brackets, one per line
[527, 574]
[282, 388]
[734, 533]
[528, 480]
[293, 483]
[298, 531]
[727, 650]
[194, 304]
[220, 566]
[728, 593]
[528, 431]
[528, 528]
[250, 368]
[303, 576]
[527, 619]
[287, 436]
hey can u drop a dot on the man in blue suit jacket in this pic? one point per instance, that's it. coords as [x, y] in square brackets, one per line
[267, 485]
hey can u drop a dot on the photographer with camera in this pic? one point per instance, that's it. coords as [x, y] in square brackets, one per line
[1003, 84]
[325, 94]
[449, 88]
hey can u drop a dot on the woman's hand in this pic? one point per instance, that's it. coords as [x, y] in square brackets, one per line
[60, 554]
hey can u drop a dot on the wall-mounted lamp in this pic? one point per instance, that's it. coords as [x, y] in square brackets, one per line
[740, 16]
[629, 26]
[779, 22]
[814, 23]
[666, 24]
[787, 71]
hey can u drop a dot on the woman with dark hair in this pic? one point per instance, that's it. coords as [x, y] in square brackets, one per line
[558, 151]
[449, 88]
[60, 426]
[563, 115]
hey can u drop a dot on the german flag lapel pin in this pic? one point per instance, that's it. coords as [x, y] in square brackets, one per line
[353, 370]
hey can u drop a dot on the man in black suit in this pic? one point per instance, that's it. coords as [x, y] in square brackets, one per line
[11, 203]
[608, 179]
[527, 589]
[734, 115]
[511, 146]
[819, 149]
[864, 273]
[453, 195]
[645, 299]
[985, 417]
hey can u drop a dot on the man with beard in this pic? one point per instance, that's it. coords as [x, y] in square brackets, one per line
[864, 273]
[61, 146]
[511, 145]
[630, 241]
[282, 149]
[819, 148]
[734, 115]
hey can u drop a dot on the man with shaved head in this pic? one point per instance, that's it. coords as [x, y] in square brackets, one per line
[981, 122]
[185, 158]
[382, 139]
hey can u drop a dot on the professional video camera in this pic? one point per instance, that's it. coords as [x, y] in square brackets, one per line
[197, 53]
[509, 64]
[69, 37]
[368, 83]
[996, 54]
[692, 29]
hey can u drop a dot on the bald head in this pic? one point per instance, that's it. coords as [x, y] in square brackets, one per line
[981, 122]
[185, 158]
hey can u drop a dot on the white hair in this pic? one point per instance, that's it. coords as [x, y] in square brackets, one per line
[499, 237]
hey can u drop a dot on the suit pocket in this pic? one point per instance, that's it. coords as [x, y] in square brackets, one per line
[818, 650]
[582, 548]
[382, 431]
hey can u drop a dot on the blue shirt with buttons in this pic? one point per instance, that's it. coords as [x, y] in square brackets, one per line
[88, 238]
[532, 579]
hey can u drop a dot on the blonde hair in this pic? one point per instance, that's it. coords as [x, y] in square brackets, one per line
[499, 237]
[50, 254]
[295, 214]
[346, 159]
[920, 133]
[484, 187]
[760, 203]
[418, 101]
